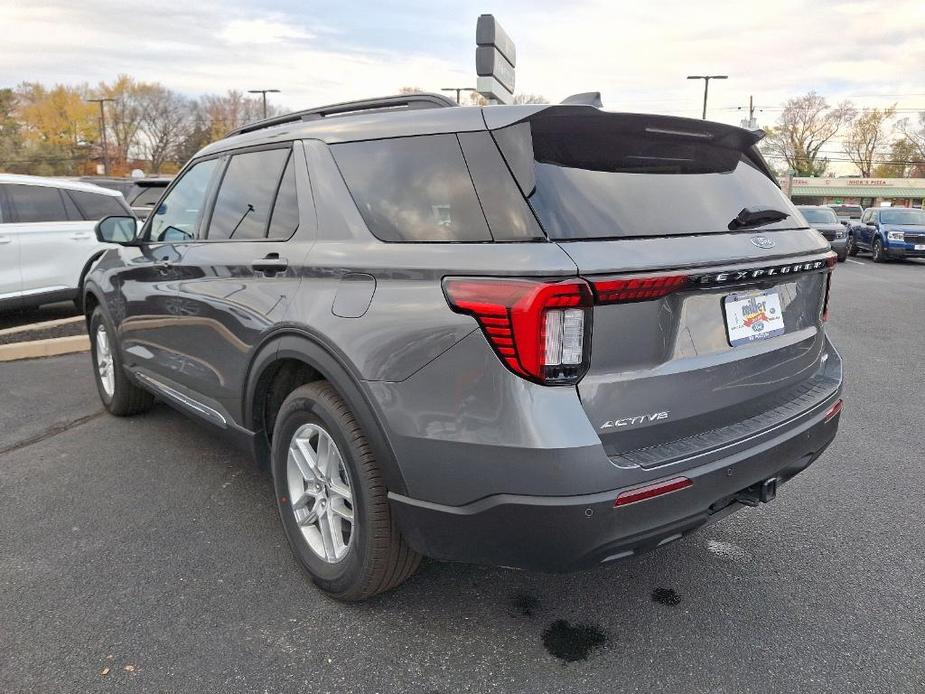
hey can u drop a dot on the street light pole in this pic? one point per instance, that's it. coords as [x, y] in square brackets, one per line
[263, 92]
[458, 91]
[706, 87]
[103, 132]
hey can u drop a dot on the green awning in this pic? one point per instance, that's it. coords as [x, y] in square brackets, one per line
[857, 192]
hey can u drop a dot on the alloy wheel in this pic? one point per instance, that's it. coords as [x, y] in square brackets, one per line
[104, 362]
[320, 493]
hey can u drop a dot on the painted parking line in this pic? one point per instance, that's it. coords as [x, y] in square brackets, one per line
[856, 262]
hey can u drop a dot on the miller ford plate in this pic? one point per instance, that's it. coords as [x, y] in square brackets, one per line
[753, 316]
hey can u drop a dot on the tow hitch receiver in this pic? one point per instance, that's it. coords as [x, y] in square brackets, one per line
[761, 492]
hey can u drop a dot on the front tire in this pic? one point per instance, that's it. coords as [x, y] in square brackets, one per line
[852, 247]
[119, 395]
[877, 252]
[332, 500]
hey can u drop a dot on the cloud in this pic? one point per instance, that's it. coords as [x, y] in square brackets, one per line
[636, 54]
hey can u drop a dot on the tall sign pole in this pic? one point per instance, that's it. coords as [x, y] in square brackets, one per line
[495, 58]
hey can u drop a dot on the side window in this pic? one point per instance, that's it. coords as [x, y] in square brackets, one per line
[177, 218]
[285, 218]
[36, 203]
[94, 206]
[245, 196]
[413, 188]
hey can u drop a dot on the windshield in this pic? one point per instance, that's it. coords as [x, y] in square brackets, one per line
[819, 215]
[902, 217]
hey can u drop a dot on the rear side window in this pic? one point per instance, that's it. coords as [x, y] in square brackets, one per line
[246, 195]
[36, 203]
[596, 176]
[413, 189]
[94, 206]
[285, 218]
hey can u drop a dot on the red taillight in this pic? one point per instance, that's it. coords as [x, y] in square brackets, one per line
[825, 302]
[641, 288]
[834, 411]
[631, 496]
[539, 329]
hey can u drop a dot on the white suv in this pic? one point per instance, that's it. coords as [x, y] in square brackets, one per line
[47, 242]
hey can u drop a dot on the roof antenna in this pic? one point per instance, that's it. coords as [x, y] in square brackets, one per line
[584, 99]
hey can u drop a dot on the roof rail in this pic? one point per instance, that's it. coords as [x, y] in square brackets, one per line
[383, 103]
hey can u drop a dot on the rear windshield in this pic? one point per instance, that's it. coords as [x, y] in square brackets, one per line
[147, 196]
[613, 176]
[819, 215]
[902, 217]
[848, 211]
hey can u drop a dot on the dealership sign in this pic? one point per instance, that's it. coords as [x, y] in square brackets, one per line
[495, 58]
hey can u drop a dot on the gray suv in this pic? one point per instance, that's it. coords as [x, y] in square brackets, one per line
[544, 337]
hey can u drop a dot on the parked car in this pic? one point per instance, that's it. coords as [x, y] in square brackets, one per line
[889, 233]
[142, 194]
[47, 242]
[479, 334]
[823, 220]
[848, 214]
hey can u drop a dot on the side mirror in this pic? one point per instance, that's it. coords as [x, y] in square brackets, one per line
[117, 229]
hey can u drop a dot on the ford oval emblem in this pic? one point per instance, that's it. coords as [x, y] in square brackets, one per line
[763, 242]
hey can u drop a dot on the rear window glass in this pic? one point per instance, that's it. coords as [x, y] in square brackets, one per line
[94, 206]
[413, 188]
[818, 215]
[36, 203]
[604, 176]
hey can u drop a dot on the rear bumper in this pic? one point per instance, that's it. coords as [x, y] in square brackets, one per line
[840, 246]
[565, 533]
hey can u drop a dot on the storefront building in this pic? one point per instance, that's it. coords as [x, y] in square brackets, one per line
[867, 192]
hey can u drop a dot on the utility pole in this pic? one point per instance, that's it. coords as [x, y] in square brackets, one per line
[458, 91]
[263, 92]
[103, 131]
[706, 87]
[751, 124]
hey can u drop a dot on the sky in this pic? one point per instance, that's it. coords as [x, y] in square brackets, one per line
[637, 54]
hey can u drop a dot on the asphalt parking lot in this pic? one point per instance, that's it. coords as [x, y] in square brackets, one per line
[144, 554]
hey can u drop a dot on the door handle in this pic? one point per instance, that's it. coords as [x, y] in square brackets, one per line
[271, 263]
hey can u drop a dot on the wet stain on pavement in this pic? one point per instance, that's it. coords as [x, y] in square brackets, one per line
[572, 643]
[666, 596]
[525, 604]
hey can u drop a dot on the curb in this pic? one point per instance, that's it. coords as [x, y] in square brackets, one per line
[44, 348]
[42, 325]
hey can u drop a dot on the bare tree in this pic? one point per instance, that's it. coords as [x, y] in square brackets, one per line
[915, 133]
[530, 99]
[165, 122]
[123, 115]
[410, 90]
[866, 138]
[232, 110]
[806, 124]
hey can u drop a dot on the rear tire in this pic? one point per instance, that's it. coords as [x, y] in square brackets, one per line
[119, 395]
[876, 251]
[370, 556]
